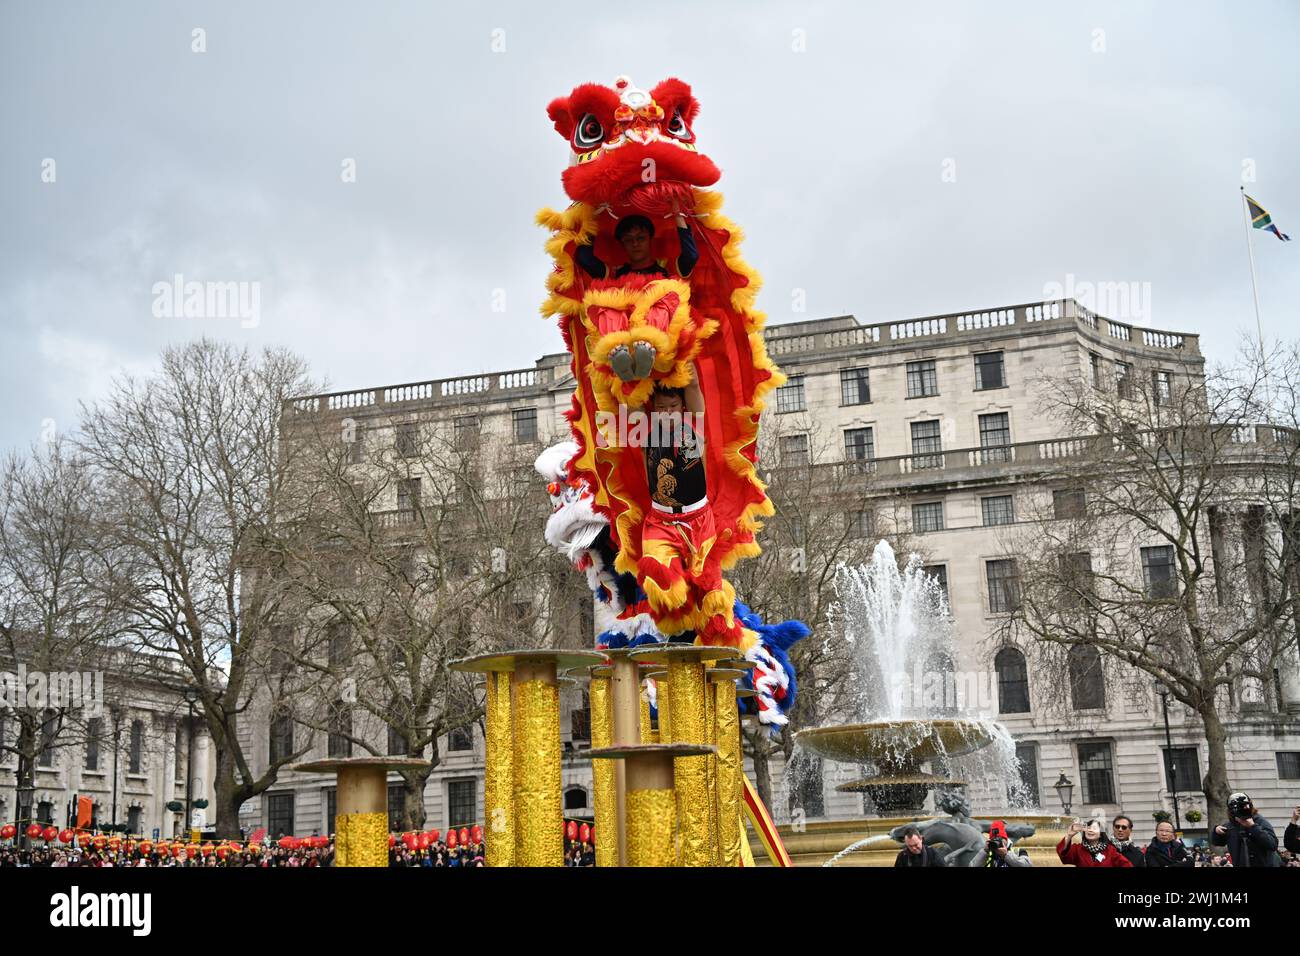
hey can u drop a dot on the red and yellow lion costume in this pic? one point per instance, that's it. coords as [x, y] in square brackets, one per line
[634, 152]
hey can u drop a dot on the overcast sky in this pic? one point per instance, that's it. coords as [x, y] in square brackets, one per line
[889, 160]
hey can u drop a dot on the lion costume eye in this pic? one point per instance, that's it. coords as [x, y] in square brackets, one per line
[677, 126]
[589, 133]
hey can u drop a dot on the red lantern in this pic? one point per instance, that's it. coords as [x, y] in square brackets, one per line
[50, 834]
[451, 839]
[584, 833]
[191, 850]
[8, 831]
[145, 847]
[115, 843]
[288, 843]
[234, 847]
[67, 835]
[392, 841]
[100, 841]
[222, 851]
[34, 831]
[592, 832]
[84, 840]
[207, 849]
[464, 836]
[255, 849]
[571, 831]
[424, 841]
[477, 833]
[410, 841]
[178, 850]
[433, 835]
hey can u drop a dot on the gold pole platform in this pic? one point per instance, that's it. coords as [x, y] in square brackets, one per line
[361, 820]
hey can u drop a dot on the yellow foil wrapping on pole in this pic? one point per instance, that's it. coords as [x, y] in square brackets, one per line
[361, 839]
[647, 733]
[603, 774]
[730, 762]
[650, 827]
[694, 810]
[711, 764]
[539, 811]
[499, 777]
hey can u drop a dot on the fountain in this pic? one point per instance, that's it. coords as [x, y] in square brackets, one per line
[906, 704]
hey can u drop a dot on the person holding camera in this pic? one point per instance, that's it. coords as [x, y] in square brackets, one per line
[997, 850]
[1291, 838]
[1247, 835]
[1091, 849]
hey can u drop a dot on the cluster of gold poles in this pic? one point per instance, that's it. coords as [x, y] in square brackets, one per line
[666, 794]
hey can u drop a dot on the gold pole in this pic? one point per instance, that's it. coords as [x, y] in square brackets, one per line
[730, 763]
[647, 732]
[625, 705]
[539, 833]
[361, 822]
[650, 778]
[602, 771]
[499, 777]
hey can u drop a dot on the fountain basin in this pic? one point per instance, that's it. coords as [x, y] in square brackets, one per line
[900, 745]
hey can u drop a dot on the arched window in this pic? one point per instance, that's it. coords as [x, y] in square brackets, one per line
[1087, 682]
[575, 798]
[1013, 681]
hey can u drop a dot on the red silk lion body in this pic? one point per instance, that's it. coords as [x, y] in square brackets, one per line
[634, 153]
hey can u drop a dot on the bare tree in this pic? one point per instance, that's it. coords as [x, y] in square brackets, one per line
[59, 623]
[1164, 540]
[194, 474]
[420, 544]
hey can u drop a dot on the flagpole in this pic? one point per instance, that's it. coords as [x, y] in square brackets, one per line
[1254, 283]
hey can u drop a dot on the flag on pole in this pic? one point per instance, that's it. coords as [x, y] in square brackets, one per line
[1260, 219]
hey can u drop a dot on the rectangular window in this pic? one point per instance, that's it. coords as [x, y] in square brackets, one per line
[281, 732]
[94, 727]
[1004, 585]
[340, 730]
[45, 813]
[1182, 769]
[407, 441]
[1288, 765]
[859, 448]
[927, 445]
[1069, 503]
[279, 814]
[927, 516]
[352, 446]
[922, 380]
[1027, 758]
[1094, 361]
[1123, 380]
[396, 742]
[860, 524]
[408, 494]
[331, 810]
[135, 758]
[396, 807]
[790, 396]
[134, 821]
[988, 371]
[1096, 771]
[995, 438]
[580, 720]
[49, 731]
[181, 742]
[462, 802]
[460, 739]
[340, 650]
[467, 432]
[1076, 578]
[1160, 387]
[855, 386]
[996, 510]
[1158, 572]
[939, 572]
[524, 421]
[794, 450]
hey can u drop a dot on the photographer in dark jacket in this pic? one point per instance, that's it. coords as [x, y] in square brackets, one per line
[915, 852]
[1248, 836]
[1166, 849]
[1291, 838]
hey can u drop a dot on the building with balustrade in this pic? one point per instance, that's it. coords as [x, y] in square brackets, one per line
[944, 414]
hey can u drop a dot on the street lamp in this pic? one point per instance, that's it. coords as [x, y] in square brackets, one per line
[191, 696]
[116, 712]
[1064, 792]
[1170, 766]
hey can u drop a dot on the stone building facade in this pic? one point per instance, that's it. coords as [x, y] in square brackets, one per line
[945, 417]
